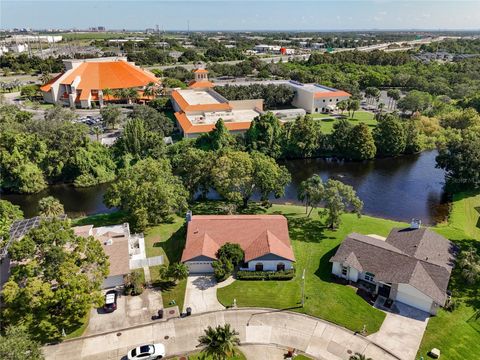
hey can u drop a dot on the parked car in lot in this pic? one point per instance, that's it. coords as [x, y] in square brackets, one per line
[110, 301]
[147, 352]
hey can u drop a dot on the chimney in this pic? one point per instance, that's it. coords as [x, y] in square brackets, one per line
[415, 224]
[188, 216]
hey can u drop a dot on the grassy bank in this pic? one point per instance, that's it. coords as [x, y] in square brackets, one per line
[328, 121]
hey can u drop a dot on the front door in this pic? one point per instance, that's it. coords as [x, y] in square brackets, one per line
[384, 290]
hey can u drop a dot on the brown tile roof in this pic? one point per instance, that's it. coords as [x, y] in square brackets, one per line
[326, 94]
[258, 235]
[402, 258]
[200, 71]
[200, 84]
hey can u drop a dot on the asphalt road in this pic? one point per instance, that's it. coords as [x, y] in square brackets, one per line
[316, 337]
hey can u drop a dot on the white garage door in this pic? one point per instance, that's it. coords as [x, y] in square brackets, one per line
[416, 302]
[199, 267]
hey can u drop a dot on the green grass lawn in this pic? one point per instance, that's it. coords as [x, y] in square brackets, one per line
[314, 245]
[457, 333]
[199, 356]
[360, 116]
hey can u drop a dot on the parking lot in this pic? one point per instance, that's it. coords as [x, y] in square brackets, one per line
[131, 311]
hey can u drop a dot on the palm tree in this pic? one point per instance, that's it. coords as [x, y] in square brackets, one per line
[353, 105]
[97, 132]
[131, 94]
[120, 94]
[380, 107]
[359, 356]
[151, 90]
[177, 271]
[219, 342]
[342, 105]
[50, 207]
[45, 78]
[107, 93]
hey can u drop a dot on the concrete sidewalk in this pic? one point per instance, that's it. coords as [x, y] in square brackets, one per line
[315, 337]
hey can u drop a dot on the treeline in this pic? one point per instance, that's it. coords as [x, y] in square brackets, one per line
[457, 80]
[454, 46]
[376, 57]
[30, 64]
[38, 152]
[274, 96]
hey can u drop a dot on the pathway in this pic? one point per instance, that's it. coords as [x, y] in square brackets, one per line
[315, 337]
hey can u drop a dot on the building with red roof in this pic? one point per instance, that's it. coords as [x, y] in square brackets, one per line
[84, 82]
[263, 238]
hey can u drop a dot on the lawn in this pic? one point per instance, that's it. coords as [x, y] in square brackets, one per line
[314, 245]
[199, 356]
[457, 333]
[328, 121]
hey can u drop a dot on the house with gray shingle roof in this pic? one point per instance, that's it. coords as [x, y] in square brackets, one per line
[411, 266]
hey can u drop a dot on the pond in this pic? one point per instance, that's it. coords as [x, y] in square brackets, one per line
[401, 188]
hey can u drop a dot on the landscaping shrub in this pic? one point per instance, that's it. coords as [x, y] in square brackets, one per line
[265, 275]
[134, 283]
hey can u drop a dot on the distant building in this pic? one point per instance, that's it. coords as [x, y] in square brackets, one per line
[84, 81]
[34, 38]
[198, 108]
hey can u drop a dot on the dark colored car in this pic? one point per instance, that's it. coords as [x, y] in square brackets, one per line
[110, 301]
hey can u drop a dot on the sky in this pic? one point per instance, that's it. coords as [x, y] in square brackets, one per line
[243, 15]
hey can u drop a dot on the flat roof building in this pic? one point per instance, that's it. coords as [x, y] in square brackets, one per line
[198, 108]
[84, 81]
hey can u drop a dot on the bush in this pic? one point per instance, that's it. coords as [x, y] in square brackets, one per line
[265, 275]
[134, 283]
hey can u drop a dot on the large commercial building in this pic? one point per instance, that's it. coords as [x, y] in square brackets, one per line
[313, 98]
[198, 108]
[84, 82]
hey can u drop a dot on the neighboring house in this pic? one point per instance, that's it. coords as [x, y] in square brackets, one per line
[17, 231]
[120, 246]
[84, 81]
[263, 238]
[411, 265]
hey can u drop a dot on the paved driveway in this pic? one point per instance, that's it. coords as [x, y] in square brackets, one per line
[316, 337]
[131, 311]
[402, 333]
[201, 294]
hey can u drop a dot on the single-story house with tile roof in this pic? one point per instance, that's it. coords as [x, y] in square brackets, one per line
[263, 238]
[412, 265]
[84, 80]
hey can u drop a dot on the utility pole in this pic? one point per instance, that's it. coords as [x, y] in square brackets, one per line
[303, 288]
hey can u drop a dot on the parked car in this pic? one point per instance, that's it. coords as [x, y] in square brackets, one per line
[110, 301]
[147, 352]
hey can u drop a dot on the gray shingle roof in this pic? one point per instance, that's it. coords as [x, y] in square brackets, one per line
[418, 257]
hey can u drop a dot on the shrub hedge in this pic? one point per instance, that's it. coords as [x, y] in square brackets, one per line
[265, 275]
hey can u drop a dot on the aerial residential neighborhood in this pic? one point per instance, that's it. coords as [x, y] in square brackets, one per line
[238, 180]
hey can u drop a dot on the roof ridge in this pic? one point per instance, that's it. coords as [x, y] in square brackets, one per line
[416, 268]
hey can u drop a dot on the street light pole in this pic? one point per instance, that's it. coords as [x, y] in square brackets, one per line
[303, 288]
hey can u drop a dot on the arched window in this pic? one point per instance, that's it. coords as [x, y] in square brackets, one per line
[280, 266]
[258, 267]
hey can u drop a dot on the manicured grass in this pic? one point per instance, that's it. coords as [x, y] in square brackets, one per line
[302, 357]
[81, 329]
[328, 121]
[112, 218]
[457, 333]
[166, 239]
[199, 356]
[314, 245]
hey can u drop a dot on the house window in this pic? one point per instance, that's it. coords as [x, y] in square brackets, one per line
[258, 267]
[369, 277]
[344, 270]
[280, 267]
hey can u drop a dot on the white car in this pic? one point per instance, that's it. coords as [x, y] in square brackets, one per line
[147, 352]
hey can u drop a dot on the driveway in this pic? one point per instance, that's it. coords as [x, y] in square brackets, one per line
[201, 293]
[318, 338]
[402, 333]
[131, 311]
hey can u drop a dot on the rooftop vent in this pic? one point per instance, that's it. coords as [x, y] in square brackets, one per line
[415, 224]
[108, 242]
